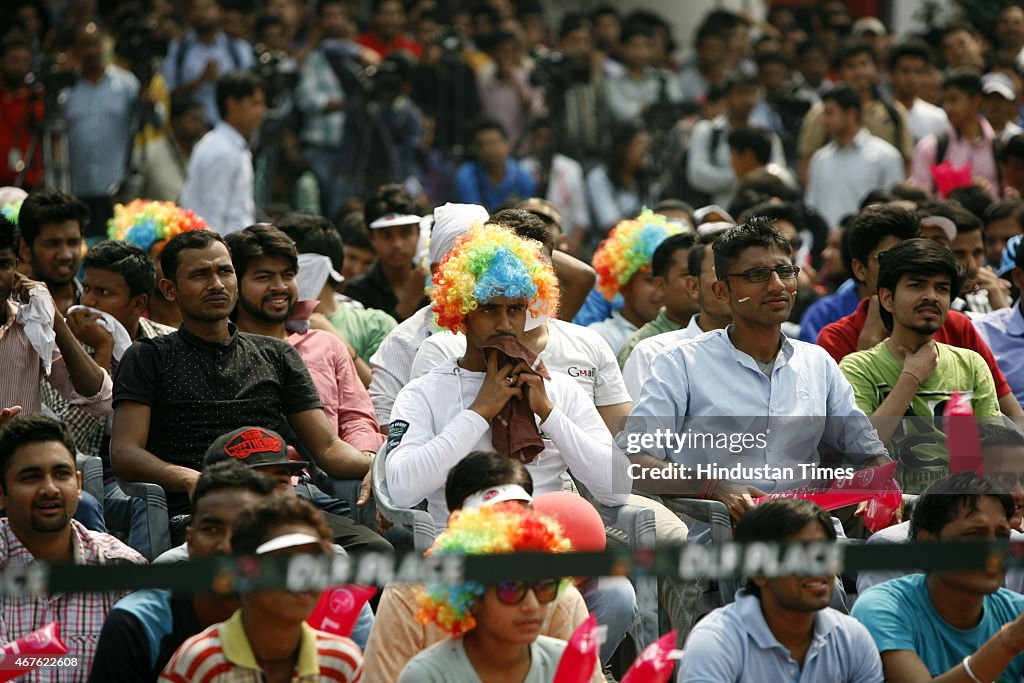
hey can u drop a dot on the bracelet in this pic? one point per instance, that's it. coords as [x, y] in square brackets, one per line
[967, 668]
[916, 378]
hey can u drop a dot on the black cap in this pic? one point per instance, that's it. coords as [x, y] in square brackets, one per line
[253, 447]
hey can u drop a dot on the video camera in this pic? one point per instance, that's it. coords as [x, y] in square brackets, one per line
[278, 82]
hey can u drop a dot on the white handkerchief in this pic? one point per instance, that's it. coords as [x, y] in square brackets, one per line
[122, 340]
[36, 318]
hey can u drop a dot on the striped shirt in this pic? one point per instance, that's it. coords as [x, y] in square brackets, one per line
[80, 615]
[21, 370]
[222, 654]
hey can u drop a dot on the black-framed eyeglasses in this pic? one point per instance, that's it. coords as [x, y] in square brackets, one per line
[763, 274]
[513, 591]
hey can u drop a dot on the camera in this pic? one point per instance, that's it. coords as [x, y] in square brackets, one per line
[558, 71]
[139, 44]
[276, 69]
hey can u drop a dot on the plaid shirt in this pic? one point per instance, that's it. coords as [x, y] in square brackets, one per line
[318, 86]
[222, 654]
[92, 434]
[80, 615]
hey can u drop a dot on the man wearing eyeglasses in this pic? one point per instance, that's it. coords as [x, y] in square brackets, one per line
[765, 400]
[909, 374]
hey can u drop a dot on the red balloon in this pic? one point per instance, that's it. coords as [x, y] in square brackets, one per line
[581, 652]
[338, 609]
[654, 665]
[581, 523]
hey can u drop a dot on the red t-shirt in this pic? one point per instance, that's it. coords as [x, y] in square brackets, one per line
[375, 42]
[840, 339]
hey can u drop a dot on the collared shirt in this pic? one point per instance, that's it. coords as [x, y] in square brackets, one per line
[659, 325]
[735, 644]
[805, 402]
[392, 363]
[80, 615]
[373, 290]
[615, 330]
[198, 390]
[500, 100]
[829, 309]
[222, 654]
[926, 119]
[318, 86]
[1003, 331]
[839, 177]
[840, 339]
[229, 54]
[21, 370]
[473, 185]
[220, 181]
[637, 367]
[344, 398]
[99, 117]
[978, 154]
[709, 169]
[876, 117]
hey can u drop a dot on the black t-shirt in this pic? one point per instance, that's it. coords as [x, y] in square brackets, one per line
[199, 390]
[125, 651]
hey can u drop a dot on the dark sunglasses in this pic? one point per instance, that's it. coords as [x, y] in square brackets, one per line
[513, 591]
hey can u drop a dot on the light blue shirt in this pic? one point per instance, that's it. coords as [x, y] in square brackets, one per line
[100, 117]
[615, 330]
[708, 386]
[838, 178]
[1003, 331]
[733, 644]
[230, 54]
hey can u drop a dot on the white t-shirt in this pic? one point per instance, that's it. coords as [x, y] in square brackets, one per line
[572, 350]
[432, 429]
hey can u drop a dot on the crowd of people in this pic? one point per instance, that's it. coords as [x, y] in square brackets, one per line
[274, 262]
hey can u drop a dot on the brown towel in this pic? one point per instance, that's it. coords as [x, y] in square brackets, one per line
[514, 430]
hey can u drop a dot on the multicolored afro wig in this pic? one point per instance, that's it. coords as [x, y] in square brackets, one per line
[502, 528]
[149, 224]
[487, 262]
[628, 249]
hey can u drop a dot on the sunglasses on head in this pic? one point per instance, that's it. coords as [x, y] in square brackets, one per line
[513, 591]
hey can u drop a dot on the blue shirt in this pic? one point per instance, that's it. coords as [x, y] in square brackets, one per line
[886, 611]
[99, 117]
[230, 54]
[473, 186]
[733, 644]
[1003, 331]
[829, 309]
[708, 386]
[596, 308]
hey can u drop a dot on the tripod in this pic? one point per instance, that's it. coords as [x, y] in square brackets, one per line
[50, 134]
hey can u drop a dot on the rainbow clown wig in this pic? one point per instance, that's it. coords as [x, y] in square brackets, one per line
[487, 262]
[11, 210]
[496, 529]
[149, 224]
[628, 249]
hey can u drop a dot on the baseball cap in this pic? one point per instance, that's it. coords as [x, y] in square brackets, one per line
[391, 219]
[866, 25]
[253, 447]
[998, 84]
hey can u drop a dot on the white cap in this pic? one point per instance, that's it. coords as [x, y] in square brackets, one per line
[496, 494]
[288, 541]
[868, 25]
[942, 222]
[999, 84]
[10, 194]
[391, 219]
[703, 212]
[451, 221]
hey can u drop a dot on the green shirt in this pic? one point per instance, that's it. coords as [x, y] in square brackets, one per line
[364, 328]
[918, 444]
[657, 326]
